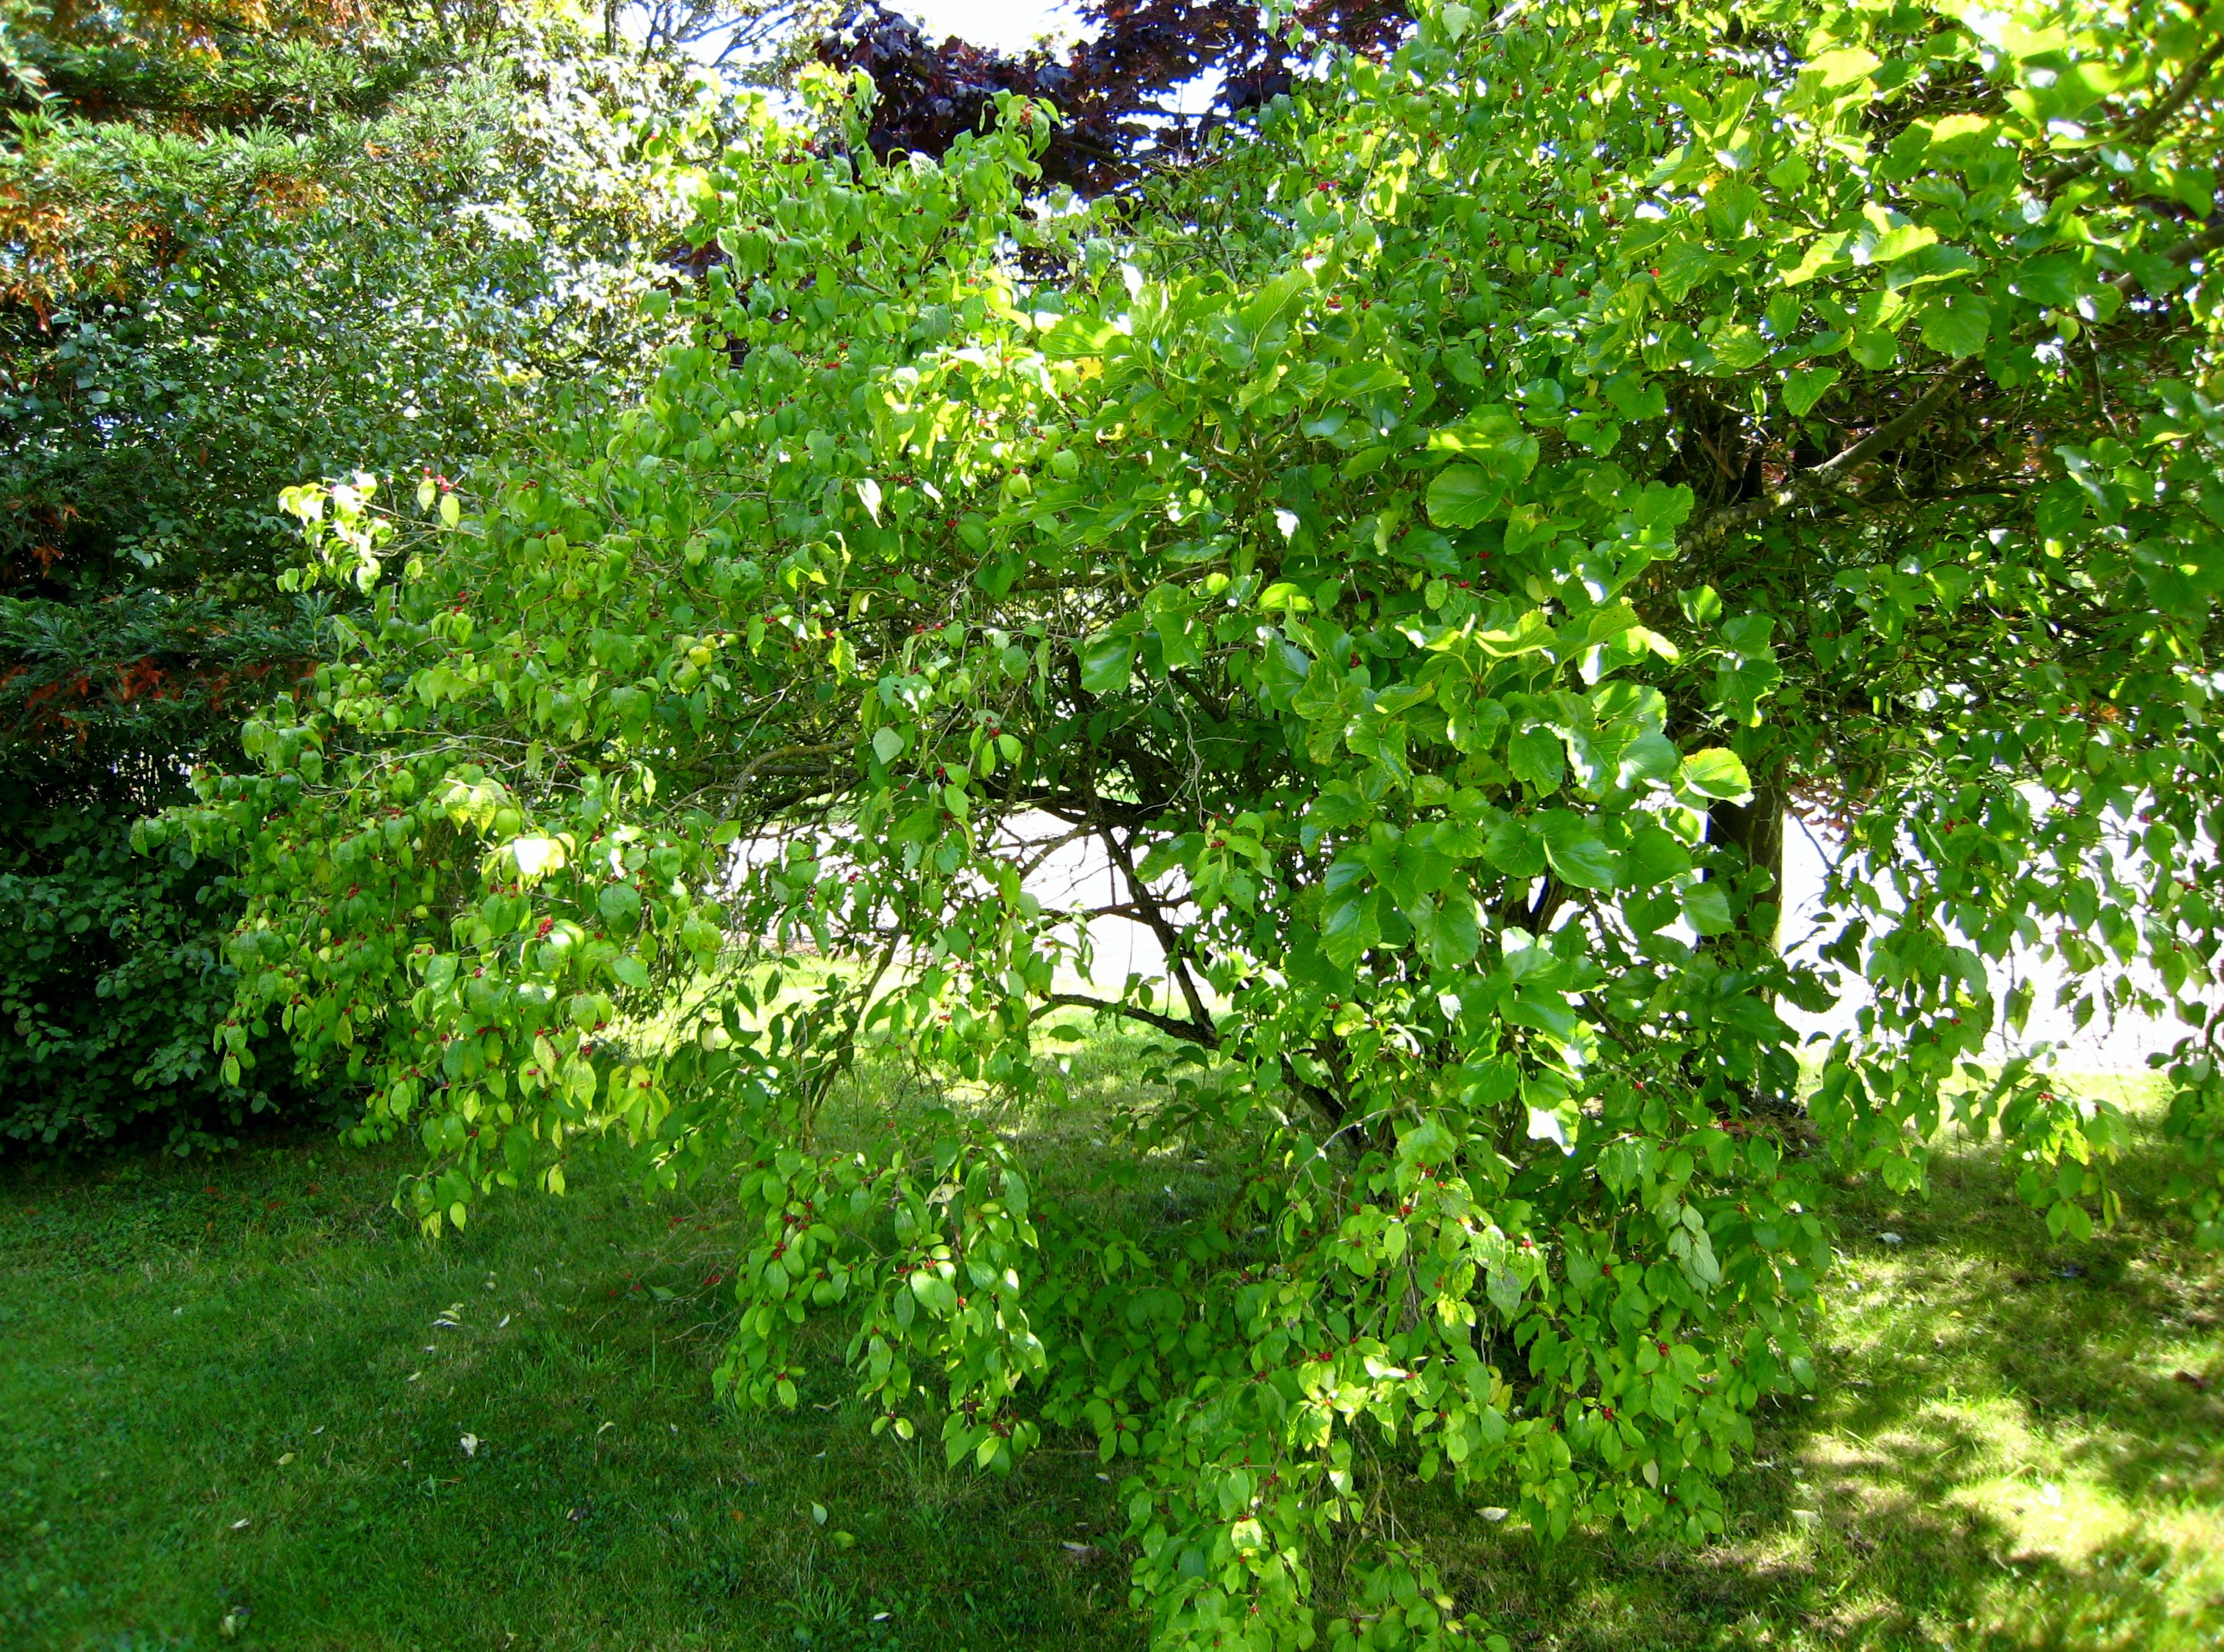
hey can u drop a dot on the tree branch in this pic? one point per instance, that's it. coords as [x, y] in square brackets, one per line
[1168, 938]
[1830, 474]
[1208, 1035]
[783, 756]
[2184, 253]
[2147, 122]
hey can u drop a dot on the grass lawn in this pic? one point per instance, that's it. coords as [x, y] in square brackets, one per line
[241, 1404]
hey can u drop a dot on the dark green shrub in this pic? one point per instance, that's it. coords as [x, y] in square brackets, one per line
[111, 983]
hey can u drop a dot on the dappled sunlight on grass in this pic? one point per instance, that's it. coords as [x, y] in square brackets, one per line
[2014, 1444]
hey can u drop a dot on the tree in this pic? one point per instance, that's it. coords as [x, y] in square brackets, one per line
[220, 278]
[1116, 89]
[751, 39]
[1399, 540]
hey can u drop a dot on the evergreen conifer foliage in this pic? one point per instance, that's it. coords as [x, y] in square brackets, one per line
[1400, 542]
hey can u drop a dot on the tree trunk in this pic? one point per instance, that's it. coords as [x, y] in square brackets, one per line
[1756, 830]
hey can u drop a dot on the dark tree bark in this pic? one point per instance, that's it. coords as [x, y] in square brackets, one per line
[1755, 829]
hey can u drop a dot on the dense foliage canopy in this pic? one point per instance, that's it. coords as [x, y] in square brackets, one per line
[240, 249]
[1424, 546]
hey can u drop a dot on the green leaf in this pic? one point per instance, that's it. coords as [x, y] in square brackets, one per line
[1657, 855]
[1107, 664]
[1449, 931]
[1463, 495]
[1824, 254]
[1706, 909]
[1846, 67]
[1955, 324]
[1804, 387]
[887, 744]
[1496, 437]
[1350, 930]
[935, 1294]
[1502, 1285]
[1717, 771]
[1874, 348]
[1576, 853]
[1275, 300]
[1514, 849]
[1537, 757]
[1683, 266]
[1900, 241]
[620, 904]
[1739, 348]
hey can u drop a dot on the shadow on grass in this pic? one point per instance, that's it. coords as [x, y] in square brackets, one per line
[2014, 1444]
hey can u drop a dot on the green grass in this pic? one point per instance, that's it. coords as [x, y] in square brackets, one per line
[2015, 1444]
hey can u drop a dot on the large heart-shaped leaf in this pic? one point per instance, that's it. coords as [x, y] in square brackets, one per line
[1956, 324]
[1717, 771]
[1463, 495]
[1576, 853]
[1536, 756]
[1107, 664]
